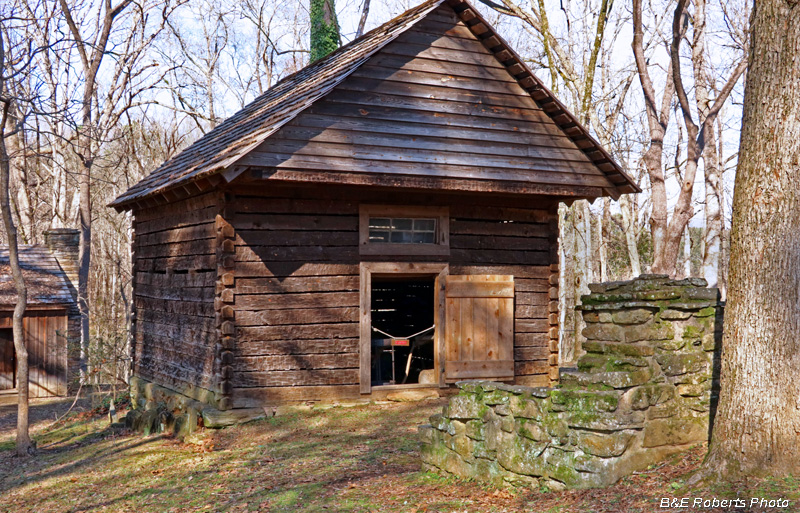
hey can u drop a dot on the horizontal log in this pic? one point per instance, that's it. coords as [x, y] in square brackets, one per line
[300, 253]
[295, 347]
[173, 249]
[296, 222]
[175, 293]
[175, 319]
[190, 279]
[276, 205]
[256, 397]
[532, 285]
[296, 378]
[459, 227]
[517, 271]
[533, 353]
[183, 334]
[267, 237]
[189, 263]
[205, 308]
[293, 301]
[295, 362]
[177, 208]
[488, 213]
[295, 285]
[311, 331]
[462, 256]
[530, 311]
[424, 78]
[185, 234]
[416, 42]
[293, 269]
[296, 317]
[480, 242]
[531, 326]
[531, 340]
[531, 367]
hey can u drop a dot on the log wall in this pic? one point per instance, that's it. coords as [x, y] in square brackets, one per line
[296, 292]
[175, 274]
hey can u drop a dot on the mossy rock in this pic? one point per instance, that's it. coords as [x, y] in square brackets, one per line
[615, 348]
[522, 456]
[464, 407]
[674, 315]
[676, 364]
[656, 330]
[675, 431]
[574, 400]
[601, 421]
[650, 395]
[632, 316]
[610, 363]
[605, 445]
[525, 408]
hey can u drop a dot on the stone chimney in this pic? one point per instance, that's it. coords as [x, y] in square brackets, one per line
[64, 243]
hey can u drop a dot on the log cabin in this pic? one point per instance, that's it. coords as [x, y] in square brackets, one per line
[385, 218]
[51, 323]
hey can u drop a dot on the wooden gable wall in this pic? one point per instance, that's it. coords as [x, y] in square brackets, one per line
[433, 103]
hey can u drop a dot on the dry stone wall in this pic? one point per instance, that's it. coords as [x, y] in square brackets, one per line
[644, 388]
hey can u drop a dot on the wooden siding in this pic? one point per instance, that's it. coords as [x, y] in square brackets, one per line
[433, 103]
[175, 274]
[46, 338]
[297, 283]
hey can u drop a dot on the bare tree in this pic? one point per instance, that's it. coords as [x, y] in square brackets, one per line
[666, 232]
[14, 60]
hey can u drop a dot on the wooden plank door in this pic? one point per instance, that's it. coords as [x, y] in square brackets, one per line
[479, 328]
[8, 360]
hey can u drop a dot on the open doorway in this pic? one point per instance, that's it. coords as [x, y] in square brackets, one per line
[403, 322]
[8, 360]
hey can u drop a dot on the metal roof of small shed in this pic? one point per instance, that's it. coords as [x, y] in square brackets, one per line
[217, 152]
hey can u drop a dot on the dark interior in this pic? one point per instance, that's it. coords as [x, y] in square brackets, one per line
[401, 307]
[8, 361]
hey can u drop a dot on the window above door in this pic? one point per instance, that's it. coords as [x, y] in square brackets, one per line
[404, 230]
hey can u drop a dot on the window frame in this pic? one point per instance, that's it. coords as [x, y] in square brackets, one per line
[442, 234]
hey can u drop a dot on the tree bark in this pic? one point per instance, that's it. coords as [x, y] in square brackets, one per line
[23, 442]
[756, 426]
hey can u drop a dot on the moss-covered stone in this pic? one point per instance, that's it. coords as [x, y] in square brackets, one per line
[525, 408]
[656, 330]
[615, 348]
[692, 332]
[633, 316]
[464, 407]
[599, 421]
[675, 364]
[475, 429]
[689, 390]
[675, 431]
[706, 312]
[575, 400]
[674, 315]
[522, 456]
[604, 445]
[605, 332]
[650, 395]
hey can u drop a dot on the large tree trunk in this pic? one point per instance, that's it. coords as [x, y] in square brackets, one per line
[756, 426]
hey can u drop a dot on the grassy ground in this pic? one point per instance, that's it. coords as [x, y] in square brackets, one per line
[358, 459]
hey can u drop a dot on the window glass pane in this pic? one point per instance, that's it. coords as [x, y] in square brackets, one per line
[402, 224]
[378, 236]
[401, 237]
[423, 238]
[426, 225]
[379, 222]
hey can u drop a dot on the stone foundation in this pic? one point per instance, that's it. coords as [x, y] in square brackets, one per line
[644, 388]
[158, 409]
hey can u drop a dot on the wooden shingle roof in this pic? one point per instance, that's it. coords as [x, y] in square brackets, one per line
[213, 157]
[46, 282]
